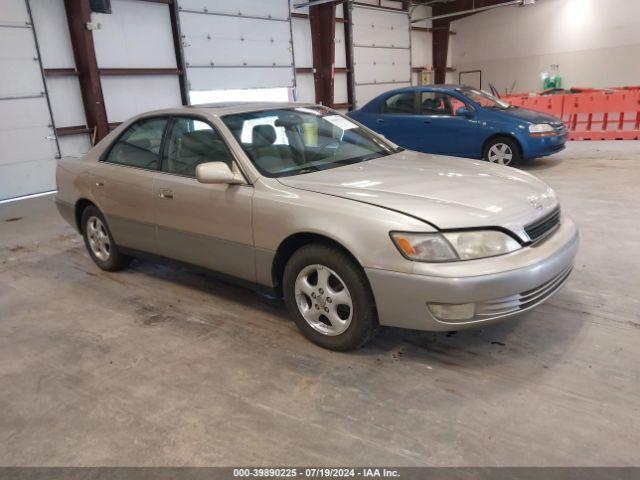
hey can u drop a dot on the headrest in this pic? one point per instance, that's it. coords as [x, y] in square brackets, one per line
[263, 135]
[200, 142]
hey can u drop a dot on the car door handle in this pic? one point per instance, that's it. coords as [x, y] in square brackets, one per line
[426, 121]
[167, 194]
[99, 184]
[380, 120]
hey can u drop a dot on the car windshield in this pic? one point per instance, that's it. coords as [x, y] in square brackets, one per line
[294, 141]
[483, 98]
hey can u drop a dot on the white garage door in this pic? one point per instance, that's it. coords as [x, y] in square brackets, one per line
[239, 44]
[381, 51]
[124, 41]
[28, 147]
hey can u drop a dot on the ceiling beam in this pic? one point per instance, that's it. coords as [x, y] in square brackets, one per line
[464, 8]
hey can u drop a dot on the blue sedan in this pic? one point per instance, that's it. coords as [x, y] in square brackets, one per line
[464, 122]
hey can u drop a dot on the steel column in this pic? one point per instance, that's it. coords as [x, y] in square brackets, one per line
[78, 15]
[323, 32]
[177, 45]
[440, 46]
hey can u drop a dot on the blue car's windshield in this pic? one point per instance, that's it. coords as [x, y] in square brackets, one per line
[294, 141]
[483, 98]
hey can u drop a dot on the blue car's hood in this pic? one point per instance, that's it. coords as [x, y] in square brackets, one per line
[528, 115]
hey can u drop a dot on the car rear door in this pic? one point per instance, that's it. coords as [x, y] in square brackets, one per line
[445, 132]
[208, 225]
[122, 184]
[396, 119]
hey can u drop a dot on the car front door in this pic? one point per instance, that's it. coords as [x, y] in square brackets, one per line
[208, 225]
[122, 184]
[446, 132]
[397, 120]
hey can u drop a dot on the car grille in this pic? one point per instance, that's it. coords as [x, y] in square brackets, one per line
[522, 301]
[543, 227]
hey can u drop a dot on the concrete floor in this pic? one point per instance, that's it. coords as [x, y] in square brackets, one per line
[163, 366]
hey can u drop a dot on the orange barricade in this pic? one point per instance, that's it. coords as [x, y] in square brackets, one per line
[592, 115]
[603, 115]
[551, 104]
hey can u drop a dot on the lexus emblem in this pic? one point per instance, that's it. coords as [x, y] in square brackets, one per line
[536, 203]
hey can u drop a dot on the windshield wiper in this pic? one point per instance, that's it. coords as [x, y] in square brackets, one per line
[305, 170]
[364, 158]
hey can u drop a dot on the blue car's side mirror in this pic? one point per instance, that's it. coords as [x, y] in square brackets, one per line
[464, 112]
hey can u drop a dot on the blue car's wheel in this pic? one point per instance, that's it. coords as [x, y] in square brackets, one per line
[503, 151]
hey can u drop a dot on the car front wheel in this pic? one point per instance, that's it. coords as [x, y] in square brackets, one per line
[502, 151]
[328, 296]
[99, 242]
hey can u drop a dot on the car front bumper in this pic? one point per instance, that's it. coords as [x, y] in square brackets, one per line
[499, 287]
[535, 147]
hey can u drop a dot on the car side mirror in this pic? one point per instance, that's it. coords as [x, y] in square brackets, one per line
[464, 112]
[217, 172]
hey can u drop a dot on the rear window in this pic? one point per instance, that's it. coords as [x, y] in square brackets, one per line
[139, 146]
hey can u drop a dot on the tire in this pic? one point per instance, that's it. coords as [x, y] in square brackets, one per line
[99, 241]
[502, 151]
[341, 291]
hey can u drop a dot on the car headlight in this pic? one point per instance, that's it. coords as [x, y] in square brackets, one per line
[481, 243]
[452, 246]
[541, 130]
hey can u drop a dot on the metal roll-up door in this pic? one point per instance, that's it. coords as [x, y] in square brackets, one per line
[381, 43]
[129, 46]
[28, 147]
[235, 45]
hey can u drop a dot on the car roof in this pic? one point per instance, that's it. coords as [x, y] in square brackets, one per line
[226, 108]
[439, 86]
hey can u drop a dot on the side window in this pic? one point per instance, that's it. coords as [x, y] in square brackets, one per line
[140, 145]
[190, 143]
[455, 104]
[435, 103]
[399, 103]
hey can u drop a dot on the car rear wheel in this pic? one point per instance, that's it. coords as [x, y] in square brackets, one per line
[329, 298]
[99, 242]
[502, 151]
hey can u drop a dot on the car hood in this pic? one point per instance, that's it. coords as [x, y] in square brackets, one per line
[529, 115]
[446, 192]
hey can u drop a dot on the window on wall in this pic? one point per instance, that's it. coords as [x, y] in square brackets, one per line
[191, 142]
[140, 145]
[278, 94]
[435, 103]
[401, 103]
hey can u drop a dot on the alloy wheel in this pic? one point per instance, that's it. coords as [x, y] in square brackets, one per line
[500, 153]
[98, 239]
[323, 299]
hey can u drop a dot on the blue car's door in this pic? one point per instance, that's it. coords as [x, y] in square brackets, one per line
[445, 132]
[396, 119]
